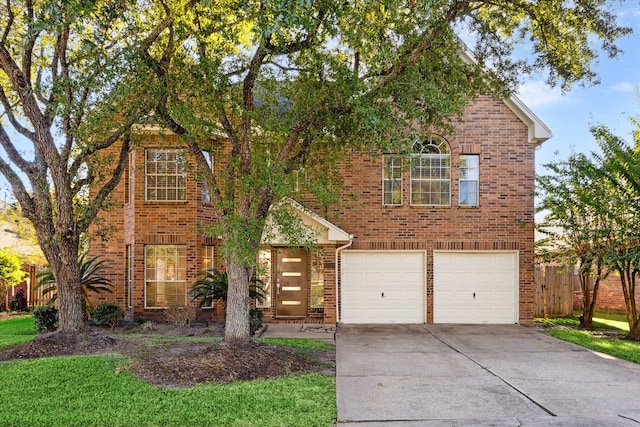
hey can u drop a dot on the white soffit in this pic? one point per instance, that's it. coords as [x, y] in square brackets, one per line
[538, 131]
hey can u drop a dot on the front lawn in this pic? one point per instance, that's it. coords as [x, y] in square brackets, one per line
[16, 330]
[90, 390]
[604, 339]
[100, 390]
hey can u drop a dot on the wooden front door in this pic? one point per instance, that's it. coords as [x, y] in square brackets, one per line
[292, 268]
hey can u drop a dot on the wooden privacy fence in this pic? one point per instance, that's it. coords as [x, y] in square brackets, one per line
[554, 290]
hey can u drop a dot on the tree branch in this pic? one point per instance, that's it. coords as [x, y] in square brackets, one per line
[8, 110]
[422, 44]
[85, 221]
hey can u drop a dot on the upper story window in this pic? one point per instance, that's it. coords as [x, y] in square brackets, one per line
[206, 192]
[392, 180]
[431, 172]
[166, 175]
[469, 178]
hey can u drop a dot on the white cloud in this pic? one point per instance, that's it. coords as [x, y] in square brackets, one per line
[537, 94]
[623, 87]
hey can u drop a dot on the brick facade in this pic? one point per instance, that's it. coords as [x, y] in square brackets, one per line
[503, 220]
[610, 296]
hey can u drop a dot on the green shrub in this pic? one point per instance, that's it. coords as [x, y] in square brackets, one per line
[255, 320]
[107, 314]
[46, 318]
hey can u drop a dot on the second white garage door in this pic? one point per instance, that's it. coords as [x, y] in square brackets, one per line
[475, 287]
[383, 287]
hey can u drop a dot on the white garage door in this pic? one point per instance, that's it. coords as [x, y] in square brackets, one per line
[475, 287]
[383, 287]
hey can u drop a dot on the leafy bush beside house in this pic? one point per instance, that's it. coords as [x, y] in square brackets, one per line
[215, 286]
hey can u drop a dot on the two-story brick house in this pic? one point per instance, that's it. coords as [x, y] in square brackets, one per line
[444, 234]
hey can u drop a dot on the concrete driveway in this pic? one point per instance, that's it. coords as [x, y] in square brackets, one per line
[477, 375]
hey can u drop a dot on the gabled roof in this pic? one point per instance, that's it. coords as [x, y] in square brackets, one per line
[326, 232]
[538, 131]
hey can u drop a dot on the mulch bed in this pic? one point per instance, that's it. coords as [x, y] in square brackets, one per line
[160, 360]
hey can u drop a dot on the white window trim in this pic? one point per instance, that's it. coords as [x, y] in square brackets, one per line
[437, 141]
[186, 295]
[385, 179]
[412, 179]
[477, 181]
[209, 252]
[206, 191]
[146, 176]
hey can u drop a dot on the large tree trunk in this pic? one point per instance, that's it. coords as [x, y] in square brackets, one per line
[62, 256]
[238, 303]
[71, 309]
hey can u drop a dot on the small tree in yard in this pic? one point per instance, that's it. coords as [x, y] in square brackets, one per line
[575, 225]
[70, 88]
[292, 87]
[593, 218]
[11, 273]
[620, 167]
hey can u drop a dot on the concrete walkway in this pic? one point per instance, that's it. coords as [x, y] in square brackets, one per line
[463, 375]
[321, 332]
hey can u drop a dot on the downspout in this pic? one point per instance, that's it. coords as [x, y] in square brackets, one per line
[338, 278]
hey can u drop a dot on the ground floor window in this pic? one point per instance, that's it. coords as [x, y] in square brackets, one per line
[317, 279]
[264, 274]
[165, 275]
[129, 270]
[207, 254]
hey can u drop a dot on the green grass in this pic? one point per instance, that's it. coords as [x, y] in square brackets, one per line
[623, 349]
[85, 390]
[16, 330]
[595, 340]
[600, 321]
[303, 345]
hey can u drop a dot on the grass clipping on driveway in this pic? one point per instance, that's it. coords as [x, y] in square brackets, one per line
[608, 337]
[166, 376]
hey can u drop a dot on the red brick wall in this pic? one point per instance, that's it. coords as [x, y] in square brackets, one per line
[610, 296]
[140, 222]
[489, 129]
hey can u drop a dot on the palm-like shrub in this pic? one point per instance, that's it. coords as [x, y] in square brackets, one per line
[215, 286]
[91, 280]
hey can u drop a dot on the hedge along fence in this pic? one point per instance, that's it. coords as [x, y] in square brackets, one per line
[554, 290]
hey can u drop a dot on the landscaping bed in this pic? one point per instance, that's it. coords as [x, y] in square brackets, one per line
[170, 356]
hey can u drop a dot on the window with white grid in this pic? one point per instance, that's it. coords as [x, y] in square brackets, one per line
[392, 180]
[431, 172]
[165, 275]
[166, 175]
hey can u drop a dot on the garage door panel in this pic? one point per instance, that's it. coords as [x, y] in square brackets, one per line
[399, 276]
[475, 287]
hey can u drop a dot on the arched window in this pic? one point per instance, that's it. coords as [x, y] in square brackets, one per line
[431, 172]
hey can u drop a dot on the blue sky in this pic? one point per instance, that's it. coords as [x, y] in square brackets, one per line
[571, 114]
